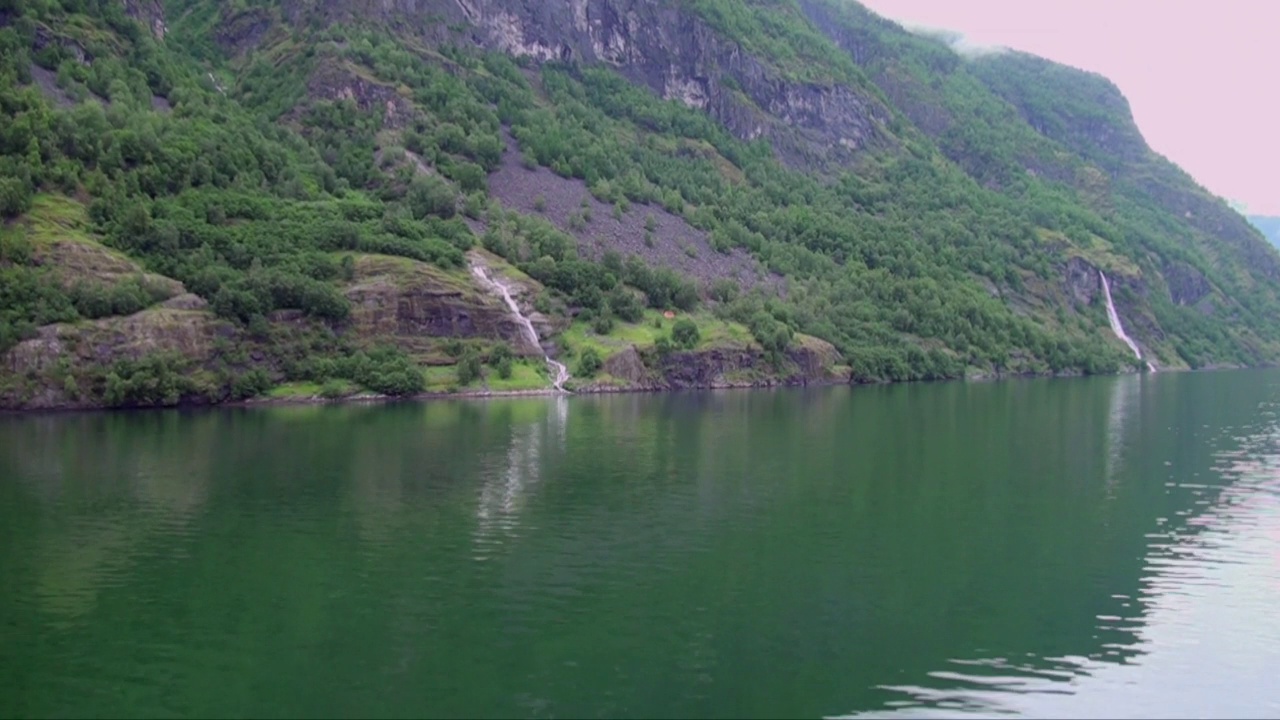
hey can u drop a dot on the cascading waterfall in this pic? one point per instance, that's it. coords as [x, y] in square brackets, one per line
[559, 373]
[1114, 318]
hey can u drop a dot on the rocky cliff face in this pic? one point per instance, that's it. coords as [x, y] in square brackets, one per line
[150, 13]
[339, 82]
[659, 44]
[809, 361]
[1094, 121]
[1082, 281]
[1187, 286]
[415, 306]
[36, 370]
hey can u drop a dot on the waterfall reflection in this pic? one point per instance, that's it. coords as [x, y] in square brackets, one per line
[506, 486]
[1125, 395]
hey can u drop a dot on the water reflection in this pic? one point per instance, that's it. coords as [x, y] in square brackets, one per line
[149, 485]
[1126, 394]
[1209, 582]
[1079, 547]
[504, 487]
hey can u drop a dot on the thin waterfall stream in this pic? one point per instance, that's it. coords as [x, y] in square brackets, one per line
[1114, 318]
[559, 373]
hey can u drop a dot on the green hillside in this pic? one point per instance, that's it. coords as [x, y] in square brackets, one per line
[205, 201]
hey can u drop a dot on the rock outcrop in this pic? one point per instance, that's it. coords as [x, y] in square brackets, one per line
[1082, 281]
[37, 368]
[664, 46]
[1187, 285]
[808, 361]
[416, 305]
[150, 13]
[337, 81]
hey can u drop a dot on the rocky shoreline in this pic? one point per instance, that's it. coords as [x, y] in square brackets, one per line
[371, 398]
[597, 389]
[477, 394]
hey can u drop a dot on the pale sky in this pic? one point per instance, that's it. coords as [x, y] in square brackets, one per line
[1200, 75]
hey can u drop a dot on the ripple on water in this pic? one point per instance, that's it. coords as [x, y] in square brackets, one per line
[1208, 591]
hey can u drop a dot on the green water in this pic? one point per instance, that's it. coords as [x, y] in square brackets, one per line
[1096, 547]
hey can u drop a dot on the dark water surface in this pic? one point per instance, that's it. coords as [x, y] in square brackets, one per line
[1095, 547]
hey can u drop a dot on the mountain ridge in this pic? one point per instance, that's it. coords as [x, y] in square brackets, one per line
[775, 173]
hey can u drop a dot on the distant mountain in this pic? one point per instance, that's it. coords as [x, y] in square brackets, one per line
[1270, 227]
[207, 201]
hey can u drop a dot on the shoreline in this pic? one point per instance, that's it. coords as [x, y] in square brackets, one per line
[371, 398]
[472, 395]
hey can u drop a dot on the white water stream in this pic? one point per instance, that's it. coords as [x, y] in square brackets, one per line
[1114, 318]
[559, 372]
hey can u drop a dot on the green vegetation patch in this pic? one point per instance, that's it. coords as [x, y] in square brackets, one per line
[712, 332]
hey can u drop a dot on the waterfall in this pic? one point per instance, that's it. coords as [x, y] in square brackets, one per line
[559, 372]
[1114, 318]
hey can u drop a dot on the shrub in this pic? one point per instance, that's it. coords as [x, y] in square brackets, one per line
[432, 196]
[70, 387]
[603, 324]
[469, 369]
[501, 351]
[685, 334]
[250, 384]
[624, 304]
[153, 380]
[504, 368]
[772, 335]
[397, 381]
[475, 205]
[15, 248]
[333, 389]
[500, 359]
[15, 197]
[589, 363]
[724, 290]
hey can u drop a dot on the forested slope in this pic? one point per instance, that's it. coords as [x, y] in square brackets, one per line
[214, 201]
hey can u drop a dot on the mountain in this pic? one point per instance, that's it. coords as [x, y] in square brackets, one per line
[207, 202]
[1268, 226]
